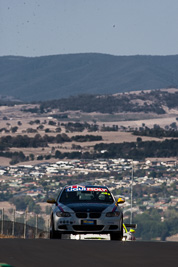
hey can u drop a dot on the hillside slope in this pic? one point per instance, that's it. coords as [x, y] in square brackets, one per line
[58, 76]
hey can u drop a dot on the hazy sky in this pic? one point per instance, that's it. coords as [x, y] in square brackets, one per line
[118, 27]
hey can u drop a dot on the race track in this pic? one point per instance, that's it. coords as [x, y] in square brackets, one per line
[50, 253]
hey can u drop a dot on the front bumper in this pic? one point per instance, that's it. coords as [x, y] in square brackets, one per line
[75, 225]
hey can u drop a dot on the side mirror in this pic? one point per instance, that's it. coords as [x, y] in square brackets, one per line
[120, 200]
[132, 231]
[133, 225]
[51, 201]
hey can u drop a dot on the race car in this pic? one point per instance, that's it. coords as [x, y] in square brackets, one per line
[128, 235]
[87, 209]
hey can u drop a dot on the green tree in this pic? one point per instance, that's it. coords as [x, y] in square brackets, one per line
[14, 129]
[37, 209]
[32, 156]
[22, 202]
[41, 222]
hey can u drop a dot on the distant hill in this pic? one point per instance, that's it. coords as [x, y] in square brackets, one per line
[60, 76]
[152, 101]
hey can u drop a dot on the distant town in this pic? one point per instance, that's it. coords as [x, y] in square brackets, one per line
[46, 179]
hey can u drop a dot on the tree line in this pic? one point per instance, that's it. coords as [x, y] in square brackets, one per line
[42, 141]
[134, 150]
[146, 102]
[157, 131]
[104, 104]
[150, 225]
[138, 150]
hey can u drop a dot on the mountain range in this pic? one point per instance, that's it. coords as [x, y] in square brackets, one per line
[60, 76]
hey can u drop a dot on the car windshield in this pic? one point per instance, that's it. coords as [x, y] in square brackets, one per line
[93, 196]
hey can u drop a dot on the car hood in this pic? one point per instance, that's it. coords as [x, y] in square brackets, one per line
[88, 207]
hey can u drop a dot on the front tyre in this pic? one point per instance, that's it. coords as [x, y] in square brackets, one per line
[54, 234]
[117, 235]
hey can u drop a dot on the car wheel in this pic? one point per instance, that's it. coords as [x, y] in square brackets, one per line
[118, 235]
[54, 234]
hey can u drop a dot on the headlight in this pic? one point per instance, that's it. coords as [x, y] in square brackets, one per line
[62, 214]
[113, 214]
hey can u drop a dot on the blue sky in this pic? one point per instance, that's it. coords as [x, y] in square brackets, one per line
[117, 27]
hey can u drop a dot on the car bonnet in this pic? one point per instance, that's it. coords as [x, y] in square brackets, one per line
[89, 207]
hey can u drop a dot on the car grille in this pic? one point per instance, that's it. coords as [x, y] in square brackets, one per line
[62, 227]
[88, 227]
[81, 214]
[113, 227]
[90, 215]
[94, 214]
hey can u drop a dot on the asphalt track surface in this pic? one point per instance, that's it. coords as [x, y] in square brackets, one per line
[49, 253]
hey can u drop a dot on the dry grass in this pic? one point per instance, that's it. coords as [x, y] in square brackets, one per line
[6, 236]
[121, 119]
[6, 205]
[4, 161]
[173, 238]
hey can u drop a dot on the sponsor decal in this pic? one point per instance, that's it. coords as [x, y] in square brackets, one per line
[60, 208]
[75, 186]
[114, 209]
[95, 189]
[83, 188]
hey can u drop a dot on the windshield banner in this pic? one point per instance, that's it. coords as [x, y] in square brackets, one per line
[83, 188]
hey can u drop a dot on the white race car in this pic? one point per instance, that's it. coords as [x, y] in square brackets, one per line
[86, 210]
[129, 234]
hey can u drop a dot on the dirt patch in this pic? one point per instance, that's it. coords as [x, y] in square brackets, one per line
[174, 159]
[170, 90]
[173, 238]
[6, 236]
[6, 205]
[4, 161]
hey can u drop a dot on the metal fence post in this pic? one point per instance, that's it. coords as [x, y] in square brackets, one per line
[13, 223]
[48, 227]
[36, 232]
[131, 193]
[25, 225]
[2, 222]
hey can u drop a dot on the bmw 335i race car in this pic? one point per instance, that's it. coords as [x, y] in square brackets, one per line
[84, 210]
